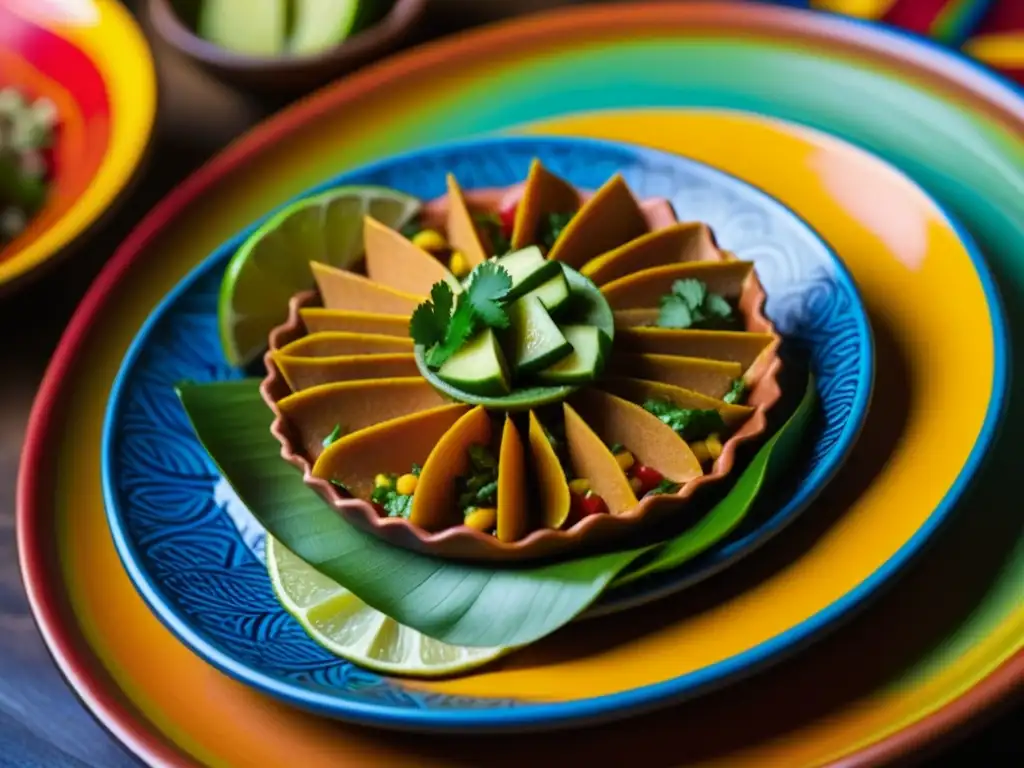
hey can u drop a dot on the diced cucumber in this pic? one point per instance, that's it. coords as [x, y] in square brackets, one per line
[584, 362]
[534, 341]
[322, 24]
[479, 367]
[553, 294]
[243, 26]
[528, 269]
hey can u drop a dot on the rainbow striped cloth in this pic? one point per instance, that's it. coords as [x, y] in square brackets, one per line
[991, 31]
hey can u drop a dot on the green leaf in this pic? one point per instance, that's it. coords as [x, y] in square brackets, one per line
[717, 306]
[431, 320]
[335, 434]
[737, 392]
[690, 423]
[692, 291]
[488, 286]
[725, 516]
[674, 313]
[457, 603]
[461, 327]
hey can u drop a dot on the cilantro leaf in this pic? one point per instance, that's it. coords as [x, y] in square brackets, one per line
[691, 291]
[488, 286]
[674, 313]
[551, 228]
[333, 436]
[460, 328]
[689, 423]
[690, 305]
[490, 224]
[431, 319]
[717, 306]
[388, 498]
[737, 392]
[665, 486]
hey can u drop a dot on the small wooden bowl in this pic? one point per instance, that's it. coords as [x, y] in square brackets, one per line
[287, 72]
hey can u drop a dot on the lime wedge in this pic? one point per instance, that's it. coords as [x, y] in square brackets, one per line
[273, 264]
[349, 628]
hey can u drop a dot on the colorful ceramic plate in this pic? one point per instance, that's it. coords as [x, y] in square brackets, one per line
[949, 623]
[92, 61]
[163, 494]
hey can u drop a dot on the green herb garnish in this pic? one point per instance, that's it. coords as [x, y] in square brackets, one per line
[333, 437]
[690, 305]
[616, 447]
[441, 331]
[737, 392]
[343, 487]
[665, 486]
[395, 504]
[479, 488]
[551, 228]
[689, 423]
[411, 229]
[492, 227]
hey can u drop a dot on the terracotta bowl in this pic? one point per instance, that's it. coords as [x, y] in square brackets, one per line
[287, 73]
[595, 532]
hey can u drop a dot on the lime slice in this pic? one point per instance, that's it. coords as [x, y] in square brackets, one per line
[273, 264]
[349, 628]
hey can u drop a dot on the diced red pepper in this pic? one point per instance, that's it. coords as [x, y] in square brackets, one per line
[592, 504]
[649, 477]
[508, 219]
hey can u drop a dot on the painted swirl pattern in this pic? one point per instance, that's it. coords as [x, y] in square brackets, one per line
[200, 552]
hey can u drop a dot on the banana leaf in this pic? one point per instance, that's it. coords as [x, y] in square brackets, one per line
[458, 603]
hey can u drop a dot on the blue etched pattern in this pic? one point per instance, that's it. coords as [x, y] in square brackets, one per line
[204, 554]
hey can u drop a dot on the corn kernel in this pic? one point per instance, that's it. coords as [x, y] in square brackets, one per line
[430, 240]
[458, 264]
[625, 460]
[580, 485]
[406, 484]
[482, 518]
[381, 481]
[700, 450]
[636, 484]
[714, 446]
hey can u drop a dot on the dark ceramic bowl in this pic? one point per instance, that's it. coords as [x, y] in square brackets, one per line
[286, 72]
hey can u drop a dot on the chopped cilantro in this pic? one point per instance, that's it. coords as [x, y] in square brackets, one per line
[441, 331]
[395, 504]
[335, 434]
[343, 487]
[488, 286]
[616, 447]
[492, 227]
[416, 470]
[478, 488]
[665, 486]
[690, 305]
[737, 392]
[551, 228]
[689, 423]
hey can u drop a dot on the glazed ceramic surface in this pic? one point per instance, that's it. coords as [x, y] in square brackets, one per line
[183, 538]
[951, 622]
[75, 54]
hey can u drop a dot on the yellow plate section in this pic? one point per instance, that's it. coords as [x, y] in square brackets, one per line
[910, 267]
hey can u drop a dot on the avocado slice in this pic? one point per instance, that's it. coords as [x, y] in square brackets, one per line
[528, 269]
[585, 361]
[479, 367]
[257, 29]
[322, 24]
[534, 341]
[553, 294]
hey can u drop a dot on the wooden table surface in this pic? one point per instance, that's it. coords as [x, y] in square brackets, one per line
[41, 722]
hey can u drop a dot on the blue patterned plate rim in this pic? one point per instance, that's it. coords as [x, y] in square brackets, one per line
[381, 702]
